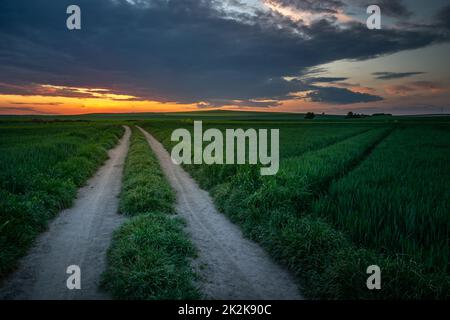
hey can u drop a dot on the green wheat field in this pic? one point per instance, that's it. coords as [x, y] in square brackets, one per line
[349, 193]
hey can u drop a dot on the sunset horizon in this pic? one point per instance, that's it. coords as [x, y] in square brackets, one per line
[255, 55]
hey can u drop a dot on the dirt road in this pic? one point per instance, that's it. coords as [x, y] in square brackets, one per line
[231, 266]
[77, 236]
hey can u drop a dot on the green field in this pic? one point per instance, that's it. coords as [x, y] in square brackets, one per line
[41, 167]
[350, 193]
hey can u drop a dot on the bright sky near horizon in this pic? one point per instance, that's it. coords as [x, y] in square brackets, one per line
[187, 55]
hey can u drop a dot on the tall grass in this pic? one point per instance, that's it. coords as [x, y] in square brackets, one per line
[150, 254]
[41, 167]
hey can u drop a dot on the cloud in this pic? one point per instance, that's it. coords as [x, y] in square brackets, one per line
[428, 85]
[239, 103]
[414, 87]
[443, 17]
[38, 103]
[334, 95]
[31, 110]
[48, 90]
[326, 79]
[182, 51]
[32, 89]
[394, 75]
[392, 8]
[316, 6]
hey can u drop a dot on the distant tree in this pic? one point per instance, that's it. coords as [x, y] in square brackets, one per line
[382, 114]
[352, 115]
[310, 115]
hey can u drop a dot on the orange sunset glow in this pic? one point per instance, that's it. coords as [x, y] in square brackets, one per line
[49, 99]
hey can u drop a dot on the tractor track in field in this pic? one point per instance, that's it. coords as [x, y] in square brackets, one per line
[325, 185]
[231, 266]
[79, 236]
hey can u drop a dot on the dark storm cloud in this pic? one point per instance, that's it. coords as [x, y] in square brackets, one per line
[183, 51]
[393, 8]
[443, 17]
[394, 75]
[334, 95]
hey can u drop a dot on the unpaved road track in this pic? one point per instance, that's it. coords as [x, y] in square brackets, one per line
[77, 236]
[231, 266]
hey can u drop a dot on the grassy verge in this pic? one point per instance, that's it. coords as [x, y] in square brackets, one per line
[150, 255]
[41, 167]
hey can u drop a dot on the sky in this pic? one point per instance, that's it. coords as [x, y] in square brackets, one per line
[190, 55]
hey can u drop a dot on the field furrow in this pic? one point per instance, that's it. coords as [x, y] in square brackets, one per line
[401, 220]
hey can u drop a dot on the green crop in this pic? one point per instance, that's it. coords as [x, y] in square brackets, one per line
[41, 167]
[346, 197]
